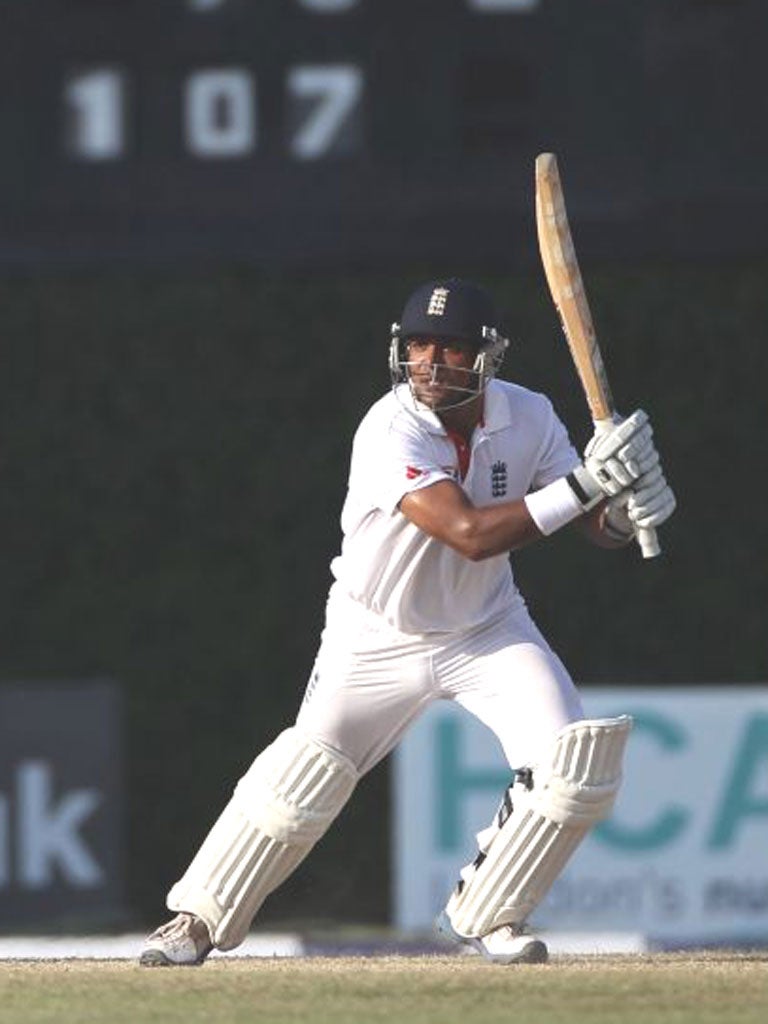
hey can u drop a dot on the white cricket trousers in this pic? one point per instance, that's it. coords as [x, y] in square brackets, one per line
[370, 681]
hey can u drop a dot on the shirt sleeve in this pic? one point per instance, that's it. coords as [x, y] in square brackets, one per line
[401, 458]
[557, 456]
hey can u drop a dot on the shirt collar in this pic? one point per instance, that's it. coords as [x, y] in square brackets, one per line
[425, 416]
[497, 411]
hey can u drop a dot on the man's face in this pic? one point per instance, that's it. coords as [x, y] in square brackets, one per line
[440, 371]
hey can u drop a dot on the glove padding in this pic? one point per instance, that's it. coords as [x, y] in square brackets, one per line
[615, 458]
[649, 503]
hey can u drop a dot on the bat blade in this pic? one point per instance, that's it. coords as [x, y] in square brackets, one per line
[561, 268]
[566, 286]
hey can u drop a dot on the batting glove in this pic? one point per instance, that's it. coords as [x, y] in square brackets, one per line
[614, 459]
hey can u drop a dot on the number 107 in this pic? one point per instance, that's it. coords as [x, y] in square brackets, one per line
[220, 112]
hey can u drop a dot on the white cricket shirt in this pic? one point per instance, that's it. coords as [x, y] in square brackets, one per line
[416, 583]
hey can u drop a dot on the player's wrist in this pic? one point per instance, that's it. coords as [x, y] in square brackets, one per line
[553, 506]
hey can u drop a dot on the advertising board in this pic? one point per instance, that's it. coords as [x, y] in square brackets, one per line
[682, 860]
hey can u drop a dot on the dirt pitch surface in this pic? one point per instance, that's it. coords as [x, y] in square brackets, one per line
[721, 988]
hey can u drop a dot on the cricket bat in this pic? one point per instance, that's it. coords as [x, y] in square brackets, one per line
[561, 268]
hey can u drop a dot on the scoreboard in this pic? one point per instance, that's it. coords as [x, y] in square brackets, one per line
[358, 132]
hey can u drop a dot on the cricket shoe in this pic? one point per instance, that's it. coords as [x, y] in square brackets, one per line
[183, 941]
[505, 945]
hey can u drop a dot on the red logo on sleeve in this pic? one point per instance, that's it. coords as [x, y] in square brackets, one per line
[412, 472]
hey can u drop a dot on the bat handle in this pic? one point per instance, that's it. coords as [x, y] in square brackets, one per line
[648, 541]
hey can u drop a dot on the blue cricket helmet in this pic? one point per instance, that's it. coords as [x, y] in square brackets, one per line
[451, 309]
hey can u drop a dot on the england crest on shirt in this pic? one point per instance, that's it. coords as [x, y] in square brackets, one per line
[499, 479]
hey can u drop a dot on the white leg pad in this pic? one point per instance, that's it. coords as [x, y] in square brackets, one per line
[280, 808]
[523, 855]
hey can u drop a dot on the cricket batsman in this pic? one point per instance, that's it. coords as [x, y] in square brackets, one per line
[450, 471]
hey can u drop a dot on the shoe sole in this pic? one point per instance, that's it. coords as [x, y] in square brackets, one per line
[533, 952]
[156, 958]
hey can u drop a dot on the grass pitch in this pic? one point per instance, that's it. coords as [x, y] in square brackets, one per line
[705, 988]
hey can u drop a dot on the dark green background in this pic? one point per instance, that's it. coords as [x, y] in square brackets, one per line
[173, 460]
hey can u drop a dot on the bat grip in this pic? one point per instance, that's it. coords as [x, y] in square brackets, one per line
[648, 541]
